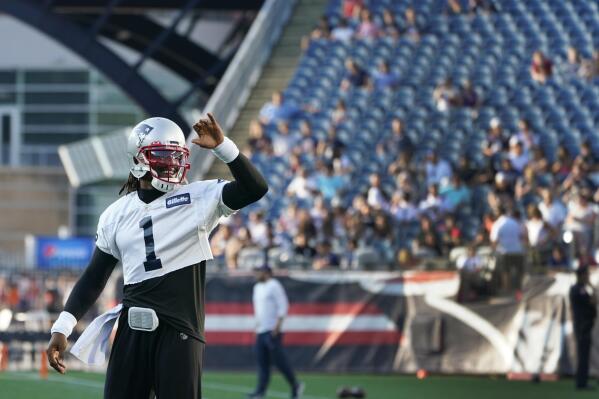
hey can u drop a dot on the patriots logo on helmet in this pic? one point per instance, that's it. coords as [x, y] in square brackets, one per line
[142, 131]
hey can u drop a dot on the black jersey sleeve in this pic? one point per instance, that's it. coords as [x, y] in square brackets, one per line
[90, 284]
[249, 185]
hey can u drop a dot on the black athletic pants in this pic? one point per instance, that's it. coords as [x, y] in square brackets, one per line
[164, 362]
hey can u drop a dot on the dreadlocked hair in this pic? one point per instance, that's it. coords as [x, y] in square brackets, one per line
[132, 184]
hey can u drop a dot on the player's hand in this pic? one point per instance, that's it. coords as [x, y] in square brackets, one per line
[209, 133]
[55, 351]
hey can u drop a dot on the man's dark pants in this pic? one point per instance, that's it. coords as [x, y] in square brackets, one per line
[269, 349]
[583, 349]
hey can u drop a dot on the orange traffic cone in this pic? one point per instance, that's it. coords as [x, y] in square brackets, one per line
[44, 366]
[3, 357]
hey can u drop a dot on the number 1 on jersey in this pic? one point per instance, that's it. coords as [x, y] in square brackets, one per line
[151, 263]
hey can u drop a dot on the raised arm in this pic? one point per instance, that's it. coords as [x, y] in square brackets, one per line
[249, 185]
[84, 295]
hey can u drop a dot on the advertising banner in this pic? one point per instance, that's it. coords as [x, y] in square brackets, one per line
[54, 252]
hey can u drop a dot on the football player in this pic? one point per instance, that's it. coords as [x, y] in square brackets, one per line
[159, 232]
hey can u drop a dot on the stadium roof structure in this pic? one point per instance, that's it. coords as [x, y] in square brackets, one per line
[81, 24]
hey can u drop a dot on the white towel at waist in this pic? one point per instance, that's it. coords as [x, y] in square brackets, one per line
[92, 345]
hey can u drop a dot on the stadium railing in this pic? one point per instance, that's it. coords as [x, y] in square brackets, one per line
[242, 74]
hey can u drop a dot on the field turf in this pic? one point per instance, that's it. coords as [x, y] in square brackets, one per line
[79, 385]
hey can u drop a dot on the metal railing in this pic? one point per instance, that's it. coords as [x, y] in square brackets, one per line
[242, 74]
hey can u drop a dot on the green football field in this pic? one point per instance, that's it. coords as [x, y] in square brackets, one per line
[78, 385]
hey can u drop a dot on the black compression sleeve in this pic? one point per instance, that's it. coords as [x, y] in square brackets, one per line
[90, 284]
[249, 185]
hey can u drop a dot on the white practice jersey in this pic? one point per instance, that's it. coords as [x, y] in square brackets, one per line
[168, 234]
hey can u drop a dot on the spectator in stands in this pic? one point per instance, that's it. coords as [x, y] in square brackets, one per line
[590, 68]
[302, 186]
[242, 239]
[318, 213]
[399, 142]
[558, 258]
[383, 78]
[495, 142]
[525, 135]
[283, 142]
[468, 172]
[348, 259]
[541, 67]
[578, 179]
[454, 194]
[258, 229]
[562, 167]
[446, 95]
[453, 7]
[481, 7]
[540, 164]
[581, 221]
[321, 31]
[257, 138]
[306, 144]
[438, 171]
[450, 233]
[342, 32]
[468, 96]
[367, 29]
[287, 224]
[411, 26]
[572, 67]
[278, 110]
[431, 205]
[428, 242]
[402, 208]
[329, 183]
[302, 246]
[540, 236]
[382, 156]
[517, 156]
[527, 187]
[325, 258]
[339, 114]
[508, 240]
[509, 172]
[352, 8]
[390, 27]
[305, 224]
[377, 198]
[354, 76]
[587, 157]
[219, 240]
[331, 147]
[472, 283]
[553, 211]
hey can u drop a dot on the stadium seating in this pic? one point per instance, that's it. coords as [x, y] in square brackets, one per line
[493, 51]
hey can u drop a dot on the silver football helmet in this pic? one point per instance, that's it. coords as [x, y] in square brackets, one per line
[157, 145]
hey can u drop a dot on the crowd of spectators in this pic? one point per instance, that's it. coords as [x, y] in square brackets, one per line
[39, 291]
[522, 202]
[572, 67]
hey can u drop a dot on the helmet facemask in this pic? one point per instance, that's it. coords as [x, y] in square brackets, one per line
[168, 164]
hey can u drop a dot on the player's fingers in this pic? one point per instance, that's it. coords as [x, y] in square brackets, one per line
[54, 362]
[212, 119]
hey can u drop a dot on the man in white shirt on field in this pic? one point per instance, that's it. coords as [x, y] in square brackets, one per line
[270, 309]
